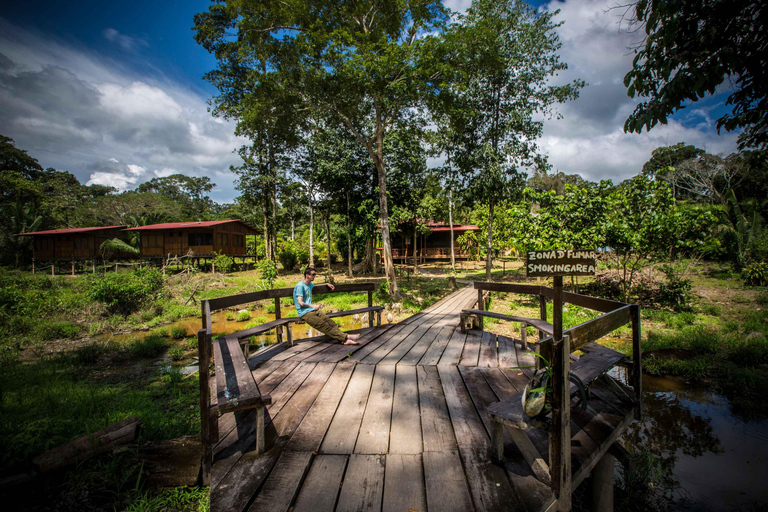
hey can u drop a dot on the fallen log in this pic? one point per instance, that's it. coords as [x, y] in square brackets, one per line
[89, 445]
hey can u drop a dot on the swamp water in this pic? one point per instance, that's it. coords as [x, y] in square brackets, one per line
[719, 459]
[220, 326]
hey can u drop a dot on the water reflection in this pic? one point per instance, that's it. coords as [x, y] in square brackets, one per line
[716, 460]
[222, 325]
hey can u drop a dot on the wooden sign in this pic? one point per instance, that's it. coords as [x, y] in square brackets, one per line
[560, 262]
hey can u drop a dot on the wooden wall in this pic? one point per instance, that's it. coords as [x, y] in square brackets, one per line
[74, 246]
[226, 239]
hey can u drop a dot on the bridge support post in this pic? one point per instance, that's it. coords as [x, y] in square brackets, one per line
[602, 484]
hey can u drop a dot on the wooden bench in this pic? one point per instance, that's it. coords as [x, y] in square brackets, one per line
[508, 414]
[542, 325]
[281, 323]
[235, 388]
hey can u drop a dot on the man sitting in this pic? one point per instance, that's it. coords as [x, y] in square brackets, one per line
[302, 297]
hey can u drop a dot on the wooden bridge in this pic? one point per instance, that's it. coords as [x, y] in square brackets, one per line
[399, 423]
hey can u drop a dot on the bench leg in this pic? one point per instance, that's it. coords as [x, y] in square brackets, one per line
[289, 332]
[260, 429]
[463, 322]
[498, 442]
[531, 455]
[524, 335]
[246, 348]
[378, 319]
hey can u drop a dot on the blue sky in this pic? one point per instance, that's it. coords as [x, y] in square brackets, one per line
[113, 92]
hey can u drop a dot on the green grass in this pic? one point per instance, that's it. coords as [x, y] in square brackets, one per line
[46, 404]
[149, 347]
[178, 333]
[178, 498]
[243, 316]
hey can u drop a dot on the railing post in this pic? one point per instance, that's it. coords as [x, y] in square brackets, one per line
[560, 432]
[204, 356]
[370, 305]
[637, 367]
[481, 307]
[279, 329]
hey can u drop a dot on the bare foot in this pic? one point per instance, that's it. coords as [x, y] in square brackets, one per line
[351, 339]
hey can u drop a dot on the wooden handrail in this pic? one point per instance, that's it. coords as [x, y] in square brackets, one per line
[276, 293]
[594, 303]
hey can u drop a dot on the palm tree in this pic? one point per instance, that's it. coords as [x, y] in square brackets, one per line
[22, 219]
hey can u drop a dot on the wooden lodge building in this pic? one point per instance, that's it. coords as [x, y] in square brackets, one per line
[73, 244]
[198, 239]
[433, 245]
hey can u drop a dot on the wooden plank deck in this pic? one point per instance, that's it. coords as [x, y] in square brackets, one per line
[397, 423]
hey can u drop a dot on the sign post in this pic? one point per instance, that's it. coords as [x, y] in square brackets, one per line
[556, 264]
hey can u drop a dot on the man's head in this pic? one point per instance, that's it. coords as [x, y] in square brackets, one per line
[310, 273]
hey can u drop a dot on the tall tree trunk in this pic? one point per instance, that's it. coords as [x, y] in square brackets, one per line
[450, 222]
[370, 257]
[415, 253]
[327, 221]
[349, 240]
[293, 227]
[389, 267]
[273, 204]
[311, 233]
[488, 254]
[266, 227]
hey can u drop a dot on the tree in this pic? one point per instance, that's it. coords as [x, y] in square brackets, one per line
[508, 58]
[189, 191]
[15, 159]
[637, 218]
[361, 63]
[691, 48]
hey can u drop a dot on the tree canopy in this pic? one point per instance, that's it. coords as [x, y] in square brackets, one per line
[690, 49]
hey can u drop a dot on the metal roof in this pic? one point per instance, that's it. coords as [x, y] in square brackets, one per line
[456, 227]
[70, 231]
[182, 225]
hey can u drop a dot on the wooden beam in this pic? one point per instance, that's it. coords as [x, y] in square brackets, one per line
[637, 368]
[560, 434]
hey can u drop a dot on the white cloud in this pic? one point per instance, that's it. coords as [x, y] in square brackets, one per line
[122, 40]
[78, 111]
[590, 140]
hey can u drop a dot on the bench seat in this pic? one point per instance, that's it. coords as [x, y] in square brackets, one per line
[236, 390]
[541, 325]
[508, 414]
[242, 337]
[597, 361]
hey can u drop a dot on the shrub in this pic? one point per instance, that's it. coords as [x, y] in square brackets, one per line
[229, 315]
[124, 292]
[57, 330]
[268, 270]
[302, 254]
[243, 316]
[675, 291]
[287, 255]
[178, 333]
[151, 346]
[750, 352]
[755, 274]
[223, 264]
[176, 353]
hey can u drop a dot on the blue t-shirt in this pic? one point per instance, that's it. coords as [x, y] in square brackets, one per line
[304, 291]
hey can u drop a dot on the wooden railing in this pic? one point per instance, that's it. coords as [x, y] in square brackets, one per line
[441, 252]
[616, 314]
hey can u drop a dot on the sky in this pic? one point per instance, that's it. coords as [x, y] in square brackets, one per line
[113, 92]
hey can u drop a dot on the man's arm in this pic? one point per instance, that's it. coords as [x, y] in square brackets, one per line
[300, 300]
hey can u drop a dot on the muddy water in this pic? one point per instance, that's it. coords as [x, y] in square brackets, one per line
[220, 325]
[719, 459]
